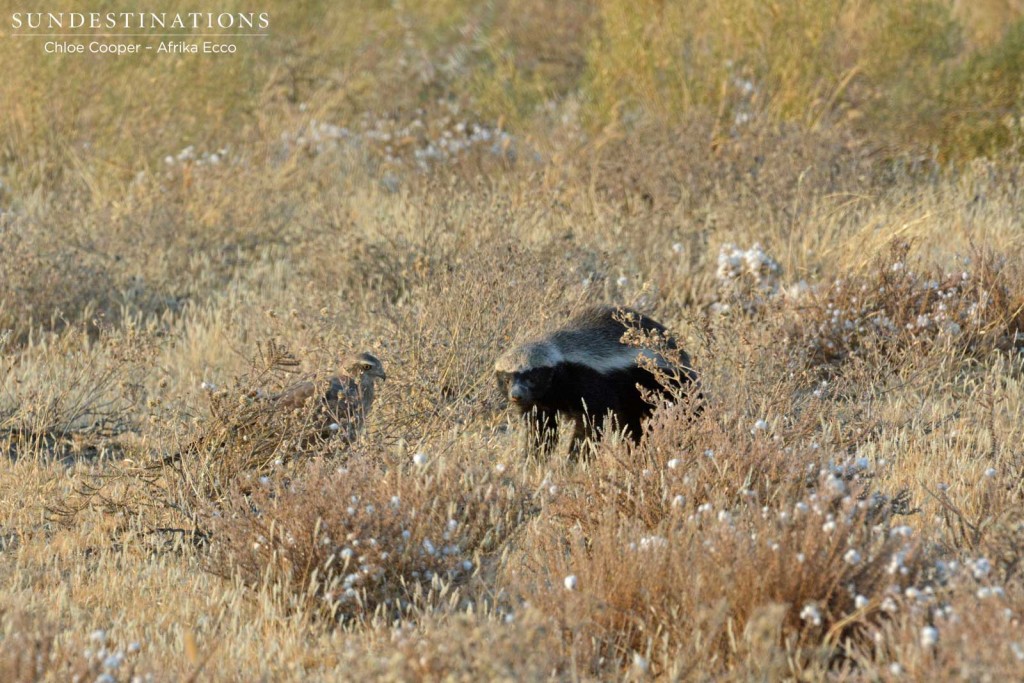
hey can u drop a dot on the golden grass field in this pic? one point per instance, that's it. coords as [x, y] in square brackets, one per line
[821, 200]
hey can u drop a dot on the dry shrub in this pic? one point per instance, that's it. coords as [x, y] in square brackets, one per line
[32, 649]
[244, 435]
[757, 425]
[748, 278]
[438, 347]
[681, 594]
[686, 461]
[965, 630]
[360, 540]
[246, 432]
[443, 341]
[897, 304]
[995, 533]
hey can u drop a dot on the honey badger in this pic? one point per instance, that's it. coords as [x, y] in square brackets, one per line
[584, 371]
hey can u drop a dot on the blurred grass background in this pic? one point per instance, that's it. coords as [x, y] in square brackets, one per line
[84, 139]
[915, 74]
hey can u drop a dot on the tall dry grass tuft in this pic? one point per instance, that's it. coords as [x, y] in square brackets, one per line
[472, 648]
[50, 284]
[73, 394]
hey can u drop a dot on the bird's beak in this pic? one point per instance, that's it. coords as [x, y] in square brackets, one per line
[382, 375]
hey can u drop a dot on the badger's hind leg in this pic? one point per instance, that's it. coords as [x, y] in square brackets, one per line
[541, 429]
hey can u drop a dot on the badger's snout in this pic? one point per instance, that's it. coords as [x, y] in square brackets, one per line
[518, 392]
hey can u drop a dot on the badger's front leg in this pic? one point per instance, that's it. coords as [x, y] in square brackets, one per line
[541, 432]
[587, 428]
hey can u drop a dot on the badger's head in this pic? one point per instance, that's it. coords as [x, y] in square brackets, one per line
[524, 373]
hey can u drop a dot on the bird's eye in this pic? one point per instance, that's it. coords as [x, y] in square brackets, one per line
[366, 366]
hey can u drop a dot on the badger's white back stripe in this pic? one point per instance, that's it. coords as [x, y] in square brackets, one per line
[611, 360]
[592, 339]
[603, 360]
[538, 354]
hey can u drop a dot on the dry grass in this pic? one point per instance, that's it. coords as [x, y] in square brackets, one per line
[797, 191]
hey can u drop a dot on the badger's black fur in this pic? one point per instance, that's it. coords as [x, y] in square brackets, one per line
[585, 372]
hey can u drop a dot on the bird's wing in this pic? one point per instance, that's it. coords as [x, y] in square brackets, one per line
[294, 396]
[340, 404]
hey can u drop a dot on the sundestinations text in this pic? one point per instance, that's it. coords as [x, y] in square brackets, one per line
[140, 20]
